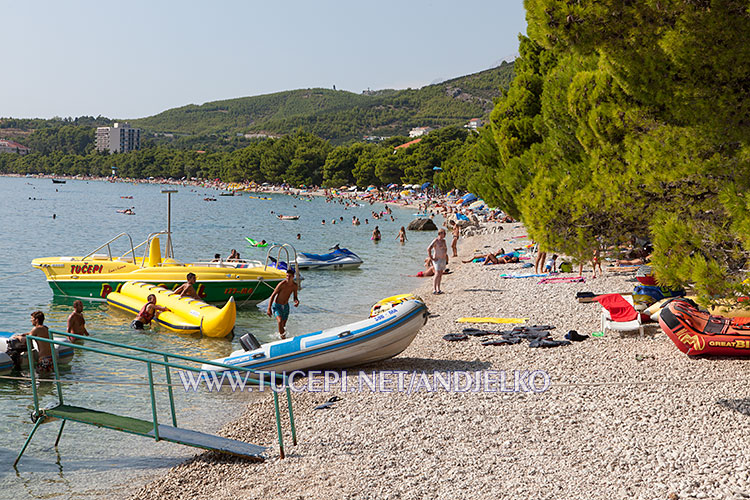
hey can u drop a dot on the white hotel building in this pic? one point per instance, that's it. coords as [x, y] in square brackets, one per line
[120, 138]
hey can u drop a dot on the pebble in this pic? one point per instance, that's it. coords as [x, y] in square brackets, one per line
[632, 438]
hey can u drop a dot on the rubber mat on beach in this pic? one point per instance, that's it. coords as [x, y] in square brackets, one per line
[492, 320]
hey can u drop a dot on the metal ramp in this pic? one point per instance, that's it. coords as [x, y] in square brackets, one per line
[153, 428]
[145, 428]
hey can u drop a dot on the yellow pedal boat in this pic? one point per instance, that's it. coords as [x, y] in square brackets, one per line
[97, 274]
[185, 314]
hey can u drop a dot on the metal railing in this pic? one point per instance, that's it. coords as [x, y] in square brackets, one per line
[109, 249]
[279, 247]
[274, 381]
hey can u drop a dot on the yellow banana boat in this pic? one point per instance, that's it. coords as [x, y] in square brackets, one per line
[185, 314]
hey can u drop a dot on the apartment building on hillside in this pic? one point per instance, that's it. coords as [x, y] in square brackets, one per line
[119, 138]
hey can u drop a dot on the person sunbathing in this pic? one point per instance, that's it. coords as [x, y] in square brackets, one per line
[508, 258]
[428, 270]
[498, 257]
[480, 258]
[637, 261]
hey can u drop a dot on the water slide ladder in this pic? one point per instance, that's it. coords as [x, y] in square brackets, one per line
[152, 428]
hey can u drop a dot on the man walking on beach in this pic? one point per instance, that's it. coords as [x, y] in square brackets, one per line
[438, 253]
[278, 304]
[76, 321]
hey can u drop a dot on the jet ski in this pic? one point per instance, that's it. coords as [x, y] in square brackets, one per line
[339, 258]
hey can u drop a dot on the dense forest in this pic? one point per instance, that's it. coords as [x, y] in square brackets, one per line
[339, 116]
[630, 119]
[300, 158]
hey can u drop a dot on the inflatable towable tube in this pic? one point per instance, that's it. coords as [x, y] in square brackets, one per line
[697, 332]
[185, 315]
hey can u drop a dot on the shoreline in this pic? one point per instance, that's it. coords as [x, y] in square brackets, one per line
[622, 417]
[225, 186]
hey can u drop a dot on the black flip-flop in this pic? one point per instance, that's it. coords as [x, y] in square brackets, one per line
[328, 404]
[575, 336]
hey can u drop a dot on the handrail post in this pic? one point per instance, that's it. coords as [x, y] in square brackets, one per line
[153, 400]
[278, 421]
[169, 389]
[32, 374]
[53, 351]
[291, 415]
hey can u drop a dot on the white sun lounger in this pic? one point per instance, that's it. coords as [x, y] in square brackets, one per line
[621, 326]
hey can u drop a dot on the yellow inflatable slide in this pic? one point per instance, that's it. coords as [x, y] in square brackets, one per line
[185, 315]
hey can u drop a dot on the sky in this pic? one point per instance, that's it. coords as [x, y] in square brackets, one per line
[140, 57]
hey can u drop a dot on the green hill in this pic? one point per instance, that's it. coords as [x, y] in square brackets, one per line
[339, 115]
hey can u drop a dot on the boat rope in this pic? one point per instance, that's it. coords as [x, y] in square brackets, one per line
[54, 280]
[17, 274]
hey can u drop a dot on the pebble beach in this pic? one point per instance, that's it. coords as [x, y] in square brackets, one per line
[615, 417]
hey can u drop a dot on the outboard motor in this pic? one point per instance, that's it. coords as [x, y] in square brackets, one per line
[15, 349]
[249, 342]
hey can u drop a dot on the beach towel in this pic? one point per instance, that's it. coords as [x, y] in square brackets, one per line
[524, 275]
[620, 310]
[492, 320]
[564, 279]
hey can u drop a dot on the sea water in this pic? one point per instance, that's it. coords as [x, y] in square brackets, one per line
[43, 219]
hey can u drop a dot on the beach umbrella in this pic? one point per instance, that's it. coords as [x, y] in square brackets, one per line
[391, 186]
[405, 192]
[372, 188]
[477, 204]
[437, 169]
[425, 185]
[344, 187]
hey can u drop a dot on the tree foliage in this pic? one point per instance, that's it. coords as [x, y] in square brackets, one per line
[630, 119]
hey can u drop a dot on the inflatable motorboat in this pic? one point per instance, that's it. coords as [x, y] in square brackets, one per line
[339, 258]
[698, 332]
[185, 315]
[374, 339]
[64, 353]
[288, 217]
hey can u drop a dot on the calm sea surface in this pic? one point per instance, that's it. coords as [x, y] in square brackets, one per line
[97, 463]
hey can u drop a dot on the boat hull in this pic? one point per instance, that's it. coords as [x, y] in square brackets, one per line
[338, 259]
[328, 265]
[373, 339]
[94, 279]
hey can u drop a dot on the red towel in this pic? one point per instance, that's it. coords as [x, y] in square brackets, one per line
[620, 310]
